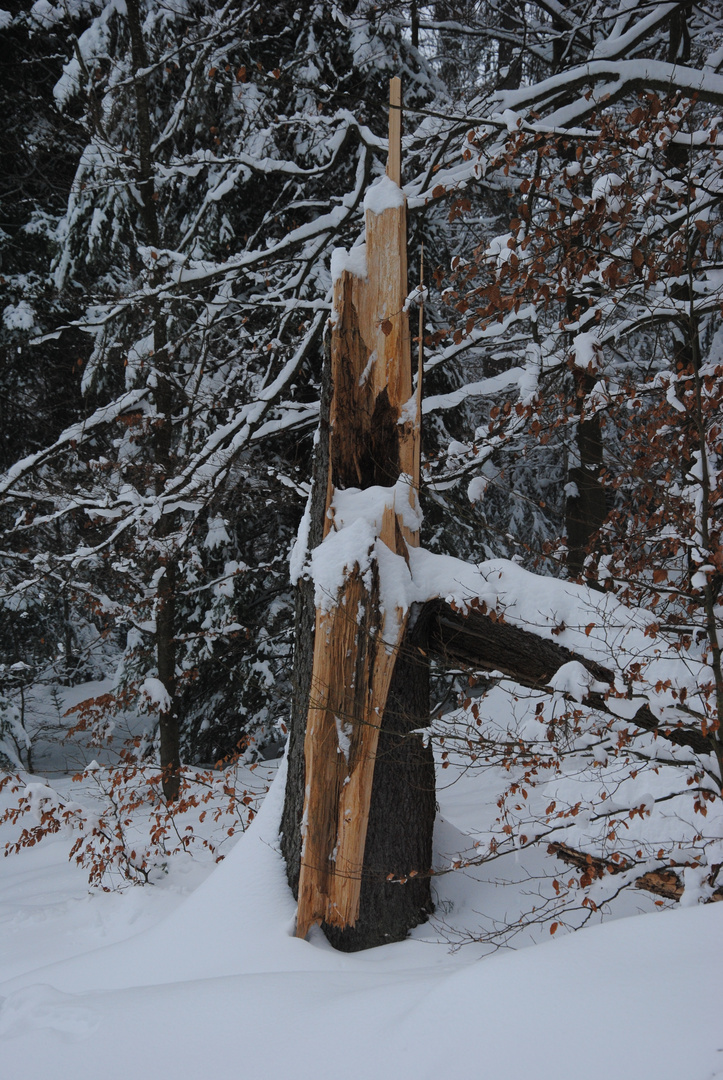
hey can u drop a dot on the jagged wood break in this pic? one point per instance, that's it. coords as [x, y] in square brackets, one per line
[374, 440]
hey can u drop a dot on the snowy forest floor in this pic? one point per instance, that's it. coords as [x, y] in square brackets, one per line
[201, 973]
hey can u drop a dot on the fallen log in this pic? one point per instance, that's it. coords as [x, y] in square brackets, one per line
[486, 643]
[664, 881]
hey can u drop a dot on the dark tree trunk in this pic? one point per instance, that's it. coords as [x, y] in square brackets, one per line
[166, 659]
[301, 684]
[679, 34]
[509, 58]
[146, 184]
[414, 18]
[162, 438]
[305, 617]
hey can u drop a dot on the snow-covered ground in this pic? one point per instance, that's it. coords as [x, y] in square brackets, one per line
[202, 975]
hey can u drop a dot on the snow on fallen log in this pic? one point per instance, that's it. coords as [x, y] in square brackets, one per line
[532, 628]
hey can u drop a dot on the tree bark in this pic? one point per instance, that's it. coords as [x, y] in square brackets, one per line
[359, 704]
[357, 638]
[166, 659]
[509, 57]
[304, 618]
[396, 885]
[395, 890]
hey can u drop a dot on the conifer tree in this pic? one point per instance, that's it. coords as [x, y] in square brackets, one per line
[224, 153]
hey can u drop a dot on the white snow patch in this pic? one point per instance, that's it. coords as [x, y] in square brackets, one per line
[418, 295]
[182, 959]
[300, 546]
[354, 262]
[586, 350]
[44, 13]
[334, 560]
[343, 735]
[225, 587]
[476, 488]
[608, 188]
[574, 679]
[367, 369]
[156, 695]
[217, 533]
[19, 316]
[383, 195]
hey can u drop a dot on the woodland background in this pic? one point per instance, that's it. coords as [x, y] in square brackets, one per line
[175, 178]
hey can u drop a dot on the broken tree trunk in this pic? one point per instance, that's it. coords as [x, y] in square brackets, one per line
[373, 440]
[483, 643]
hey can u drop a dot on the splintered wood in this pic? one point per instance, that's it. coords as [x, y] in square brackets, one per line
[374, 440]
